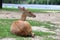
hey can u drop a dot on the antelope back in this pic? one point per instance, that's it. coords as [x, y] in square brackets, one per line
[21, 28]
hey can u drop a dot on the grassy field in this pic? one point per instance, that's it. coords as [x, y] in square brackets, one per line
[6, 23]
[33, 10]
[5, 29]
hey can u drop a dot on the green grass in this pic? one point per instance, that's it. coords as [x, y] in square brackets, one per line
[45, 24]
[32, 10]
[49, 25]
[43, 33]
[32, 22]
[5, 29]
[47, 38]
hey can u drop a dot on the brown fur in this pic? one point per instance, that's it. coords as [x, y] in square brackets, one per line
[22, 27]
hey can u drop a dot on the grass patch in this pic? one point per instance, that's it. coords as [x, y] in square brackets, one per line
[23, 38]
[9, 21]
[5, 29]
[43, 33]
[32, 10]
[49, 25]
[17, 10]
[35, 23]
[48, 38]
[10, 9]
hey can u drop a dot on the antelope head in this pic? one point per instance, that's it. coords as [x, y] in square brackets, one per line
[26, 12]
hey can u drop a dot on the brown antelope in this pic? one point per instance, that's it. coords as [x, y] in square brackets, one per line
[22, 27]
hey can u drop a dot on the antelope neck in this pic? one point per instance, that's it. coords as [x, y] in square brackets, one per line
[23, 17]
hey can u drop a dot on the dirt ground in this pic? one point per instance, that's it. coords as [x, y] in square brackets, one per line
[43, 17]
[51, 16]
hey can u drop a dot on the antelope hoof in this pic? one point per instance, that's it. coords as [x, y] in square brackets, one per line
[33, 35]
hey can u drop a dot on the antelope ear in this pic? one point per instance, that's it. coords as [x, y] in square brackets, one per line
[22, 9]
[19, 7]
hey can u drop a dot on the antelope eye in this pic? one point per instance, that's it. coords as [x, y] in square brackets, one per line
[29, 12]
